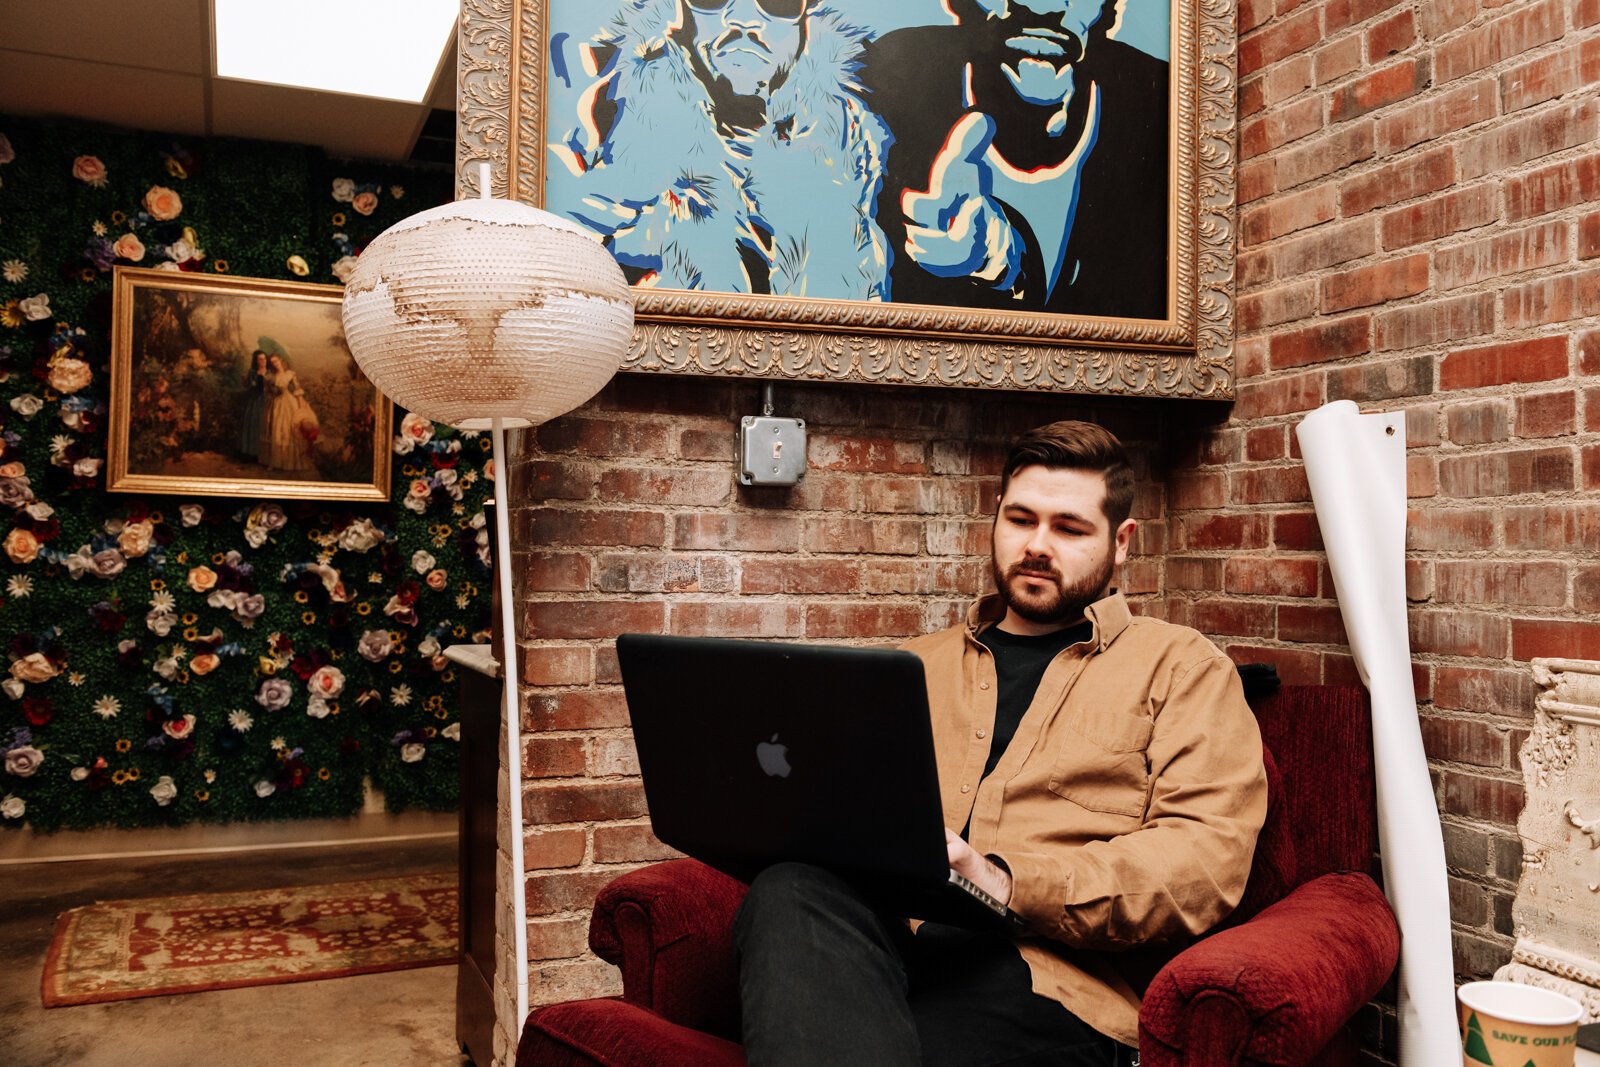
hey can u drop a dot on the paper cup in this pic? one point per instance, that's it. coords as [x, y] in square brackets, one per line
[1504, 1024]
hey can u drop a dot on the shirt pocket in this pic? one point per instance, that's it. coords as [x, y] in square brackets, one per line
[1101, 763]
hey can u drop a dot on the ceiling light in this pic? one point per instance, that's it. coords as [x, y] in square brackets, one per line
[389, 50]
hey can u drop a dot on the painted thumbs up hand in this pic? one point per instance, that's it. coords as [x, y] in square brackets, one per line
[957, 229]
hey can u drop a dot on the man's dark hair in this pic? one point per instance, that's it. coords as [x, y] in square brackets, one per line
[1079, 446]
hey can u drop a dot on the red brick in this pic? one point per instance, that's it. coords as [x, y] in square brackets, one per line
[1269, 485]
[1386, 379]
[1460, 210]
[551, 572]
[1287, 214]
[716, 446]
[1557, 638]
[1269, 307]
[591, 618]
[547, 664]
[1323, 343]
[1311, 624]
[1426, 173]
[590, 801]
[1464, 741]
[1458, 633]
[895, 577]
[1452, 530]
[1485, 691]
[559, 526]
[1589, 352]
[1393, 34]
[1334, 61]
[1538, 80]
[1377, 284]
[1420, 325]
[766, 618]
[1271, 577]
[1419, 580]
[691, 488]
[1494, 800]
[1384, 86]
[1278, 39]
[1329, 246]
[1478, 423]
[1221, 532]
[566, 980]
[1437, 114]
[1232, 618]
[1534, 360]
[928, 496]
[1551, 300]
[1542, 415]
[1526, 28]
[1504, 253]
[804, 576]
[604, 437]
[1295, 666]
[1591, 410]
[1586, 13]
[577, 709]
[863, 620]
[1553, 187]
[1256, 180]
[1286, 80]
[548, 479]
[1321, 157]
[1502, 582]
[875, 455]
[558, 939]
[1422, 476]
[848, 534]
[552, 757]
[1440, 17]
[1253, 13]
[1296, 531]
[1591, 466]
[629, 843]
[545, 849]
[1252, 97]
[743, 533]
[1337, 14]
[956, 538]
[1567, 528]
[1589, 236]
[1510, 142]
[1265, 443]
[1586, 590]
[1197, 573]
[1532, 470]
[551, 894]
[612, 755]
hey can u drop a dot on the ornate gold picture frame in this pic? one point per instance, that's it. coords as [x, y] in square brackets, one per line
[242, 387]
[519, 59]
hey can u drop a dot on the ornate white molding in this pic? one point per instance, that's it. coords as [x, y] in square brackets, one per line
[501, 97]
[1557, 910]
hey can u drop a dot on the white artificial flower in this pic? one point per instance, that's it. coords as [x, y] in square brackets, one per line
[429, 646]
[13, 806]
[400, 696]
[160, 623]
[39, 510]
[14, 270]
[265, 789]
[421, 561]
[164, 790]
[397, 191]
[13, 688]
[317, 708]
[163, 601]
[451, 732]
[166, 667]
[76, 678]
[99, 228]
[279, 744]
[210, 775]
[403, 446]
[79, 774]
[463, 600]
[19, 586]
[344, 190]
[107, 707]
[343, 267]
[412, 752]
[27, 405]
[192, 514]
[240, 720]
[35, 308]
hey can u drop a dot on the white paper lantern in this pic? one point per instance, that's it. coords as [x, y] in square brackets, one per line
[484, 309]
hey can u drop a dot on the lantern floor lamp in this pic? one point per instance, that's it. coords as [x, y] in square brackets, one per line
[489, 314]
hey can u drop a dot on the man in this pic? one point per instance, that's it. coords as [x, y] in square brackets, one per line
[1029, 164]
[723, 146]
[1100, 773]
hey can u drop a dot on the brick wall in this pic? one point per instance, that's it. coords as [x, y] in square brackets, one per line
[629, 518]
[1418, 230]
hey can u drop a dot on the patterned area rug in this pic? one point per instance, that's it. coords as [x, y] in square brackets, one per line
[161, 945]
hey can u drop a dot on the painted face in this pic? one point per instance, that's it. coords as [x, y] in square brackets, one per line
[275, 362]
[1054, 550]
[748, 41]
[1043, 39]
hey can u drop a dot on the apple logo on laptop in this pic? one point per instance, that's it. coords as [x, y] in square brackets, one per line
[773, 757]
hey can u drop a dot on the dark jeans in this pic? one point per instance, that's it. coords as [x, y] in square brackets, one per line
[826, 980]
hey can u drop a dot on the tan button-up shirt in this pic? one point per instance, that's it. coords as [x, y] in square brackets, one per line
[1126, 807]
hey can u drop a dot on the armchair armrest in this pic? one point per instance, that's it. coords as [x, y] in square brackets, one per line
[1276, 989]
[669, 928]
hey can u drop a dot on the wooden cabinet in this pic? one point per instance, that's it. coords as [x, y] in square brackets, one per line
[480, 696]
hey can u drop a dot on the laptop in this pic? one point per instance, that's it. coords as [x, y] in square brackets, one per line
[754, 753]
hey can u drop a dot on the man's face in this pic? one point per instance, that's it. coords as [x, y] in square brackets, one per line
[1054, 550]
[746, 41]
[1043, 39]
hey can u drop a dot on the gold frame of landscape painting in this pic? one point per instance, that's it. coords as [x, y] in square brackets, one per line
[243, 387]
[514, 92]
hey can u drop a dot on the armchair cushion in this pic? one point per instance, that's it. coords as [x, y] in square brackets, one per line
[613, 1032]
[1276, 989]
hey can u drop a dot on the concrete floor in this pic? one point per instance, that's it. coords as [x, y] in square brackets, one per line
[398, 1018]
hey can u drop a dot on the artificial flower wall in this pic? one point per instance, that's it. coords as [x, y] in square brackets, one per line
[173, 659]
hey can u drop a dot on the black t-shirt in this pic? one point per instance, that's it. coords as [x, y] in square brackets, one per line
[1019, 666]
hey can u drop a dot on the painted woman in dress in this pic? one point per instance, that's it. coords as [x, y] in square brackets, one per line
[255, 383]
[289, 425]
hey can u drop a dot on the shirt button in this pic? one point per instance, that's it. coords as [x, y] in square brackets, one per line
[983, 733]
[983, 685]
[966, 789]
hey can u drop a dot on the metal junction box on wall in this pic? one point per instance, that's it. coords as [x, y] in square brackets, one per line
[772, 451]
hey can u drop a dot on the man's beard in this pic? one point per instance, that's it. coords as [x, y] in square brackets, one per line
[1064, 603]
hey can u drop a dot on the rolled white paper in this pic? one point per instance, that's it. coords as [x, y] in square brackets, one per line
[1356, 465]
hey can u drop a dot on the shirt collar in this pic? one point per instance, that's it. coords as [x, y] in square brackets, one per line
[1109, 615]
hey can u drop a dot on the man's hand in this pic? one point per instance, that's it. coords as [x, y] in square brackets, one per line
[957, 229]
[977, 869]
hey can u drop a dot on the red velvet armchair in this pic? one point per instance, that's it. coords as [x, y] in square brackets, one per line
[1278, 983]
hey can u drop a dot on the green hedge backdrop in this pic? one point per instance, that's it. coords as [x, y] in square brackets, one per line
[175, 659]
